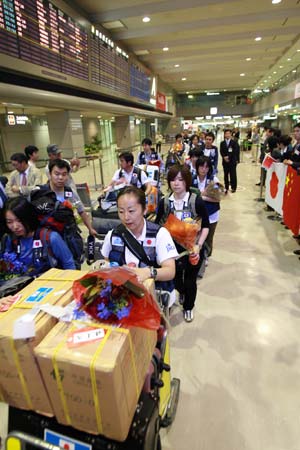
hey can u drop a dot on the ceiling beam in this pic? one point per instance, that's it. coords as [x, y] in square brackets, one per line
[151, 8]
[254, 18]
[210, 38]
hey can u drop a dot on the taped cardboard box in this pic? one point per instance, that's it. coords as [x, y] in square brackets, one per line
[94, 385]
[21, 384]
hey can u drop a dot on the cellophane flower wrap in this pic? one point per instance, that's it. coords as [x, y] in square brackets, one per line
[184, 233]
[112, 296]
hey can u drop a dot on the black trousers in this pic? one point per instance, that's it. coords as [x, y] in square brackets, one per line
[158, 147]
[186, 280]
[230, 176]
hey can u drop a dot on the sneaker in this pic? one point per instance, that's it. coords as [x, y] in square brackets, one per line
[233, 190]
[188, 315]
[181, 299]
[296, 252]
[226, 191]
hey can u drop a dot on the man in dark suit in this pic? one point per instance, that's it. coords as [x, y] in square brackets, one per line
[230, 152]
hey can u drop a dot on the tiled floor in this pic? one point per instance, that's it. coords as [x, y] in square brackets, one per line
[239, 360]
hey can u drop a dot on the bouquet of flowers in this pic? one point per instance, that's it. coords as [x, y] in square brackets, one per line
[184, 233]
[11, 267]
[115, 296]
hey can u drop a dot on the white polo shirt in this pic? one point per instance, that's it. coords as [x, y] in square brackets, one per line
[127, 176]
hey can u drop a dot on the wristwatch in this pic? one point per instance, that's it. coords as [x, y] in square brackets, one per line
[153, 272]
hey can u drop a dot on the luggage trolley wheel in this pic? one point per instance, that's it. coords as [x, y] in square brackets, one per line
[170, 414]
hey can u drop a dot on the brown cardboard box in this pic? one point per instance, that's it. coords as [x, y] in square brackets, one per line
[20, 380]
[95, 386]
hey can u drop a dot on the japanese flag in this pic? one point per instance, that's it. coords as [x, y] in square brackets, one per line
[275, 184]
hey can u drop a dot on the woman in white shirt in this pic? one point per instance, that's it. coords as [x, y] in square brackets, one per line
[208, 185]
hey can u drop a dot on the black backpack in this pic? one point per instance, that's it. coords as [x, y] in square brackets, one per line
[58, 217]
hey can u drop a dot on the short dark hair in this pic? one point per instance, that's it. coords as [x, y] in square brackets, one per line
[285, 140]
[193, 137]
[196, 151]
[185, 173]
[29, 150]
[272, 142]
[60, 164]
[227, 129]
[24, 211]
[19, 157]
[147, 141]
[205, 160]
[296, 126]
[128, 156]
[179, 135]
[138, 193]
[211, 134]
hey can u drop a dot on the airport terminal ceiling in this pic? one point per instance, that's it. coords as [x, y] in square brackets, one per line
[205, 44]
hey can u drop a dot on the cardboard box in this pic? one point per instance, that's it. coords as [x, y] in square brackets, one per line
[21, 384]
[94, 386]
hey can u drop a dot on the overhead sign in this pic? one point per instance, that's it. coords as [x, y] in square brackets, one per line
[161, 101]
[13, 119]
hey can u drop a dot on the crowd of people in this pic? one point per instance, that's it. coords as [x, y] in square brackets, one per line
[39, 229]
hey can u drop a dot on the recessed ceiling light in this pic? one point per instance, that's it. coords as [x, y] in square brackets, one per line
[275, 2]
[269, 76]
[294, 71]
[99, 117]
[187, 92]
[242, 74]
[275, 72]
[248, 59]
[265, 81]
[176, 65]
[183, 79]
[141, 52]
[289, 59]
[280, 67]
[298, 50]
[258, 38]
[146, 19]
[165, 49]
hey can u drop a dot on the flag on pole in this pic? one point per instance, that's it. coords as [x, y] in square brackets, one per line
[275, 184]
[291, 201]
[268, 161]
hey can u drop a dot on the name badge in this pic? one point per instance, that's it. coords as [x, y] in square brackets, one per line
[68, 194]
[116, 240]
[186, 215]
[230, 150]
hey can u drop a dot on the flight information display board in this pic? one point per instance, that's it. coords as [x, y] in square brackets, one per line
[40, 33]
[139, 83]
[109, 64]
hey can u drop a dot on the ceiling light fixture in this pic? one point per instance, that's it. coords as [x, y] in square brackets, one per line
[275, 2]
[274, 72]
[289, 59]
[176, 65]
[183, 79]
[165, 49]
[258, 38]
[294, 71]
[248, 59]
[280, 67]
[146, 19]
[242, 74]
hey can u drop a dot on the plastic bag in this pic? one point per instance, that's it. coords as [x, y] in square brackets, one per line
[144, 311]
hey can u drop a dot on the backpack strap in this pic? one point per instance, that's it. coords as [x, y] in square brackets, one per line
[192, 203]
[134, 246]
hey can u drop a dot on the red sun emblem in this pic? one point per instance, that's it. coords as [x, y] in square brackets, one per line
[274, 185]
[149, 241]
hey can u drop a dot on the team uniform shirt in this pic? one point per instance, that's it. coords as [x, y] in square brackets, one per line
[150, 157]
[164, 249]
[58, 247]
[179, 205]
[164, 246]
[128, 176]
[213, 218]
